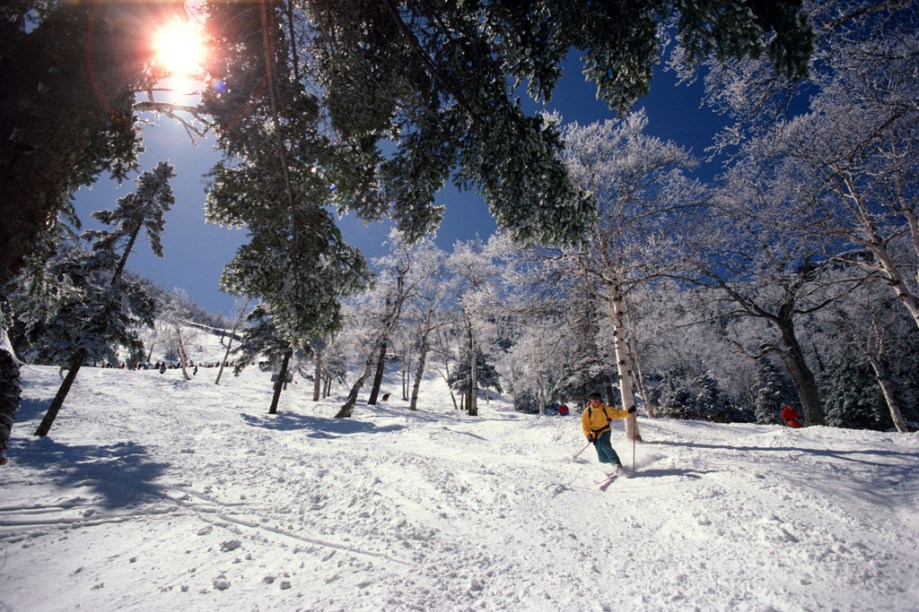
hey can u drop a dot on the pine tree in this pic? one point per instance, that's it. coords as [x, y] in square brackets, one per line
[854, 399]
[263, 343]
[96, 305]
[769, 392]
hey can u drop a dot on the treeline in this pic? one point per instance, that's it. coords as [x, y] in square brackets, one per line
[303, 96]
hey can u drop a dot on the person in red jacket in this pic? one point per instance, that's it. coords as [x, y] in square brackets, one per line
[790, 416]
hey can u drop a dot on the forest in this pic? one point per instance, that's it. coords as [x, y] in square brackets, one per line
[791, 277]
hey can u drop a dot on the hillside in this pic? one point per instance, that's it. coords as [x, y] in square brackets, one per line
[155, 493]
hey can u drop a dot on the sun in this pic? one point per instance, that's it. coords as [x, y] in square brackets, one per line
[178, 48]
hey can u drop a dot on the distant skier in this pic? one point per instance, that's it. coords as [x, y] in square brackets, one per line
[790, 416]
[563, 410]
[595, 422]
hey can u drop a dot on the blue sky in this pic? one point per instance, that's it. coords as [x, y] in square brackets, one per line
[195, 252]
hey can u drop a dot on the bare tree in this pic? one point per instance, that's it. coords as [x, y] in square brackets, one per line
[395, 290]
[242, 307]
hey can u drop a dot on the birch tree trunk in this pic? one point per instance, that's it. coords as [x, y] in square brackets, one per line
[617, 311]
[183, 356]
[317, 377]
[896, 414]
[226, 354]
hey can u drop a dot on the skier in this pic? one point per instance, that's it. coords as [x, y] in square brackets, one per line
[790, 416]
[595, 422]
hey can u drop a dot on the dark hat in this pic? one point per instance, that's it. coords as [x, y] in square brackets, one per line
[596, 396]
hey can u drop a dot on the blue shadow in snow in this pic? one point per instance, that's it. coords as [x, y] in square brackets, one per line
[120, 473]
[30, 409]
[316, 427]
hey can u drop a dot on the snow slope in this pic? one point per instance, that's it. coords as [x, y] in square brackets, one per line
[155, 493]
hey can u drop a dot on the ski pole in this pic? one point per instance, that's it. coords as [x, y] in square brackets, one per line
[581, 451]
[634, 439]
[633, 452]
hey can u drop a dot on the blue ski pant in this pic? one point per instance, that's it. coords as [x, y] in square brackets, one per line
[605, 449]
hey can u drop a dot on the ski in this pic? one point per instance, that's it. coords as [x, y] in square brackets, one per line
[610, 477]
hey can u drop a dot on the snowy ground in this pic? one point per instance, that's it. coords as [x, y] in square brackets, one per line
[153, 493]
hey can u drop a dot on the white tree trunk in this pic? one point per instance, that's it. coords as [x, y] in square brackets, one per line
[895, 413]
[617, 312]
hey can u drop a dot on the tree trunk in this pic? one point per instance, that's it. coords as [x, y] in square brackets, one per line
[473, 407]
[75, 363]
[183, 356]
[896, 414]
[317, 377]
[419, 373]
[279, 383]
[10, 390]
[378, 376]
[226, 354]
[617, 311]
[800, 372]
[152, 344]
[348, 408]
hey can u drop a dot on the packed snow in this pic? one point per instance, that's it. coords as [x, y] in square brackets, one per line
[156, 493]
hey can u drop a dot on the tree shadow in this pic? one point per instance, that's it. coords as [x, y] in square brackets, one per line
[120, 473]
[31, 409]
[316, 427]
[857, 456]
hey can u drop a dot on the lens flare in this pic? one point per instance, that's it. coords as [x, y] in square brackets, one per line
[178, 48]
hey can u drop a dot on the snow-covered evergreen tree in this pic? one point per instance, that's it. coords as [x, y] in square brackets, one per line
[770, 393]
[854, 399]
[95, 307]
[264, 344]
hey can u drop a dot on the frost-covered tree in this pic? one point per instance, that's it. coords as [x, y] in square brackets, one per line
[486, 375]
[274, 177]
[423, 309]
[769, 393]
[94, 305]
[589, 365]
[394, 286]
[263, 343]
[475, 272]
[851, 154]
[853, 399]
[641, 188]
[749, 250]
[175, 313]
[444, 78]
[869, 329]
[241, 306]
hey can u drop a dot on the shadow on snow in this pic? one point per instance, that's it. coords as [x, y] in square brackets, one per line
[316, 427]
[120, 473]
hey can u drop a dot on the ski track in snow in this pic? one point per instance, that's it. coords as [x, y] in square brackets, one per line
[157, 494]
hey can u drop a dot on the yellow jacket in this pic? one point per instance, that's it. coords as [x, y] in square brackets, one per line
[594, 421]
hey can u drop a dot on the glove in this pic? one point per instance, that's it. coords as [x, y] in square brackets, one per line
[632, 410]
[590, 438]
